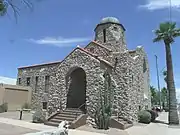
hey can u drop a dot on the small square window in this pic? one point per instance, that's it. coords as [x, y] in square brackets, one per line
[19, 81]
[115, 29]
[44, 105]
[28, 81]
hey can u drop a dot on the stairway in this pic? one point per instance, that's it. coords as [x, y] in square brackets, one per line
[69, 114]
[120, 123]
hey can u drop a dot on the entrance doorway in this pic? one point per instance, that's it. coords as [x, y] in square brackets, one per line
[76, 97]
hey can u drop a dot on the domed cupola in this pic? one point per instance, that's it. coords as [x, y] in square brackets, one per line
[110, 32]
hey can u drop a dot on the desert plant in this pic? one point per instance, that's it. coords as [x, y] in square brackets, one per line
[104, 108]
[26, 106]
[154, 115]
[38, 117]
[144, 117]
[3, 107]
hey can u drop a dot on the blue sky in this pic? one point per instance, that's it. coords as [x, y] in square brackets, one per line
[53, 29]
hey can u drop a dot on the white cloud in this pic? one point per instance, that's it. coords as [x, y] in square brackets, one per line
[60, 41]
[160, 4]
[7, 80]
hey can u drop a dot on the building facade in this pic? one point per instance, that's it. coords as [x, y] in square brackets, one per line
[15, 96]
[75, 82]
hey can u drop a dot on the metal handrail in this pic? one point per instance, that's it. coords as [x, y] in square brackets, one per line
[79, 108]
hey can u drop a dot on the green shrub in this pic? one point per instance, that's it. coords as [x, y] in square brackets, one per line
[3, 107]
[38, 117]
[154, 115]
[26, 106]
[144, 117]
[166, 109]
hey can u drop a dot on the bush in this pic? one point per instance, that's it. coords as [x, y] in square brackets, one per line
[3, 107]
[154, 115]
[144, 117]
[26, 106]
[38, 117]
[166, 109]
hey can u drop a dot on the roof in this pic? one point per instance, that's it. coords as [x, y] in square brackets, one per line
[95, 56]
[42, 64]
[100, 45]
[82, 49]
[132, 51]
[109, 20]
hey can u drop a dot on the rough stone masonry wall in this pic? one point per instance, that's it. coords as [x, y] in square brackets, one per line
[115, 39]
[91, 66]
[41, 71]
[98, 50]
[133, 88]
[121, 76]
[142, 78]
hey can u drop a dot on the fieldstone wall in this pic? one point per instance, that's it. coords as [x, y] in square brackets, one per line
[102, 52]
[41, 71]
[115, 39]
[91, 66]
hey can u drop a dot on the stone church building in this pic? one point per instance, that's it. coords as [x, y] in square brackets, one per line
[75, 82]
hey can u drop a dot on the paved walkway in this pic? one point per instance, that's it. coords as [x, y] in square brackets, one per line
[150, 129]
[7, 129]
[156, 128]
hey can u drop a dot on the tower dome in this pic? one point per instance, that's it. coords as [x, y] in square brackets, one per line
[109, 20]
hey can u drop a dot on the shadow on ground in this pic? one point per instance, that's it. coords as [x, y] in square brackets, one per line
[161, 122]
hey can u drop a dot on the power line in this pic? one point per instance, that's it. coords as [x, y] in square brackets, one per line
[158, 80]
[170, 10]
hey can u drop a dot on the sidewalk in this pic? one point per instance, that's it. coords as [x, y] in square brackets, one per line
[41, 127]
[150, 129]
[155, 128]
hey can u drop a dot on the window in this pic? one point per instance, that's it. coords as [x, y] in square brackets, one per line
[36, 83]
[46, 84]
[139, 108]
[19, 81]
[115, 29]
[44, 105]
[104, 35]
[144, 65]
[28, 81]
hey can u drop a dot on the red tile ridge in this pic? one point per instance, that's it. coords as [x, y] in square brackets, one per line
[42, 64]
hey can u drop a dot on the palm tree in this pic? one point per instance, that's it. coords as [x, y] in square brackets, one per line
[7, 4]
[167, 32]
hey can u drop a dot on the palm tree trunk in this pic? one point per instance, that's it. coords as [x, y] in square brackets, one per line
[173, 115]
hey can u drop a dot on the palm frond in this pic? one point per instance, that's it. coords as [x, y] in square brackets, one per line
[6, 4]
[167, 31]
[157, 39]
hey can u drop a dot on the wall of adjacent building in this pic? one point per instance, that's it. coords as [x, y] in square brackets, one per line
[15, 96]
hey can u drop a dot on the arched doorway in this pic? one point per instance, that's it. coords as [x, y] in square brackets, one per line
[76, 96]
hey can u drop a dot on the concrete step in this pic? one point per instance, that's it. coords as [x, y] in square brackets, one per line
[63, 118]
[50, 123]
[67, 115]
[70, 113]
[128, 126]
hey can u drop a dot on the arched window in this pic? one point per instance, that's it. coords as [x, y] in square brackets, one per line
[144, 65]
[104, 35]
